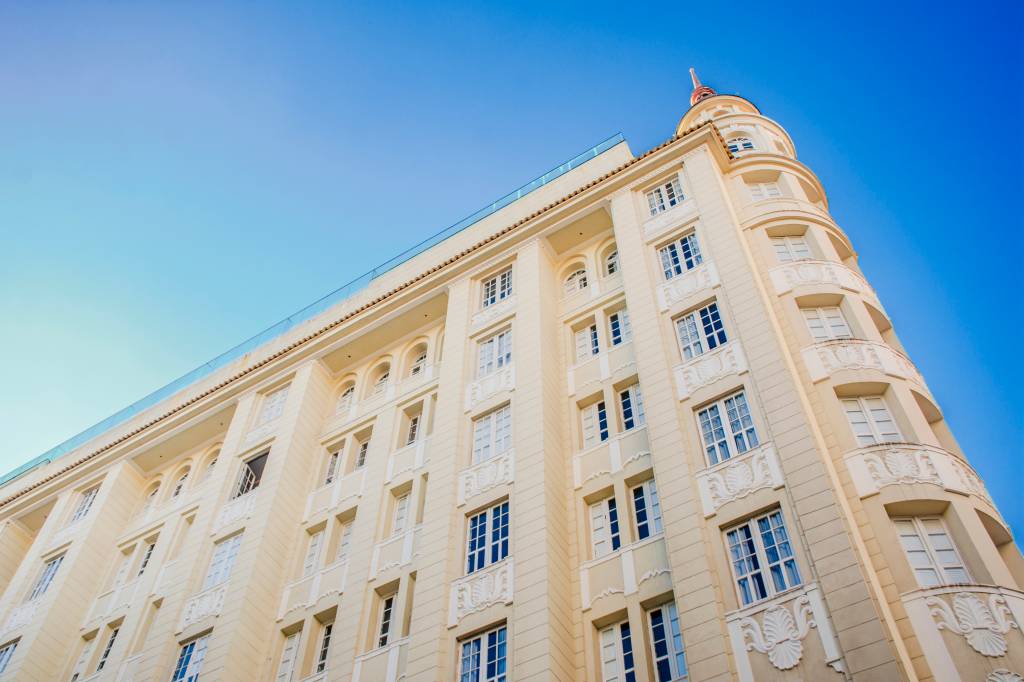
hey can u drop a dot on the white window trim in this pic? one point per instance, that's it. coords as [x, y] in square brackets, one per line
[85, 503]
[791, 249]
[831, 322]
[494, 549]
[272, 405]
[665, 196]
[637, 415]
[222, 560]
[719, 409]
[494, 353]
[479, 652]
[673, 641]
[190, 656]
[929, 550]
[652, 508]
[492, 434]
[868, 407]
[762, 558]
[612, 646]
[496, 288]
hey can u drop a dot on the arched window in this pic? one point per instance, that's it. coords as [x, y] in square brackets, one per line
[740, 144]
[611, 262]
[381, 382]
[209, 467]
[179, 485]
[150, 499]
[418, 357]
[577, 281]
[346, 398]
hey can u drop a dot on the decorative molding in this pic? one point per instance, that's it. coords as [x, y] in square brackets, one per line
[203, 605]
[476, 591]
[392, 655]
[398, 550]
[235, 510]
[787, 277]
[483, 388]
[482, 477]
[1003, 675]
[704, 277]
[648, 555]
[983, 626]
[824, 359]
[780, 633]
[408, 458]
[493, 313]
[875, 467]
[607, 458]
[705, 369]
[333, 494]
[262, 431]
[738, 477]
[657, 225]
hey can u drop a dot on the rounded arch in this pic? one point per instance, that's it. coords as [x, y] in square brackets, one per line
[740, 141]
[149, 495]
[417, 357]
[179, 481]
[346, 394]
[574, 276]
[379, 376]
[608, 257]
[208, 461]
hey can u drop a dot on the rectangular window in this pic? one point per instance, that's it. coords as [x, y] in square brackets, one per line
[587, 345]
[362, 447]
[492, 434]
[595, 424]
[190, 660]
[83, 659]
[632, 403]
[700, 331]
[604, 527]
[345, 543]
[667, 644]
[224, 554]
[6, 652]
[680, 256]
[617, 664]
[487, 541]
[272, 406]
[250, 476]
[762, 558]
[384, 631]
[789, 249]
[497, 288]
[332, 465]
[106, 650]
[413, 431]
[325, 647]
[931, 552]
[732, 435]
[826, 323]
[84, 504]
[665, 196]
[618, 326]
[484, 657]
[646, 510]
[147, 554]
[45, 578]
[288, 657]
[312, 558]
[401, 514]
[764, 190]
[871, 421]
[494, 353]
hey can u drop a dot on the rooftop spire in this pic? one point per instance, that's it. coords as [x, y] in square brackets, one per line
[699, 91]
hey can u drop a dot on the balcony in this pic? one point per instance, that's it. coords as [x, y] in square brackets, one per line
[395, 552]
[476, 591]
[767, 209]
[306, 592]
[209, 602]
[479, 478]
[588, 375]
[657, 225]
[625, 571]
[700, 279]
[737, 477]
[235, 510]
[612, 456]
[409, 458]
[777, 629]
[879, 466]
[707, 368]
[113, 601]
[485, 387]
[826, 359]
[819, 273]
[386, 664]
[979, 619]
[333, 494]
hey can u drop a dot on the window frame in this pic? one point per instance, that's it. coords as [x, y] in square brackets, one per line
[700, 331]
[647, 519]
[576, 282]
[496, 425]
[878, 437]
[272, 405]
[928, 549]
[494, 353]
[45, 579]
[190, 659]
[681, 255]
[615, 645]
[609, 532]
[384, 621]
[825, 316]
[7, 653]
[477, 651]
[674, 654]
[788, 248]
[631, 407]
[502, 288]
[665, 196]
[597, 413]
[713, 450]
[586, 343]
[764, 568]
[487, 537]
[620, 330]
[85, 502]
[323, 648]
[218, 570]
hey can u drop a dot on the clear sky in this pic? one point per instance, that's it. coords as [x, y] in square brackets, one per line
[176, 177]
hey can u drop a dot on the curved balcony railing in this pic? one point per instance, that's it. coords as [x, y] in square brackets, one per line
[825, 359]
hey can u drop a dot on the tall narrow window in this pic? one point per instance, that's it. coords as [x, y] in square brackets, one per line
[871, 421]
[147, 554]
[727, 428]
[418, 364]
[6, 652]
[312, 558]
[595, 424]
[250, 476]
[789, 249]
[223, 560]
[80, 664]
[209, 469]
[382, 382]
[345, 543]
[289, 654]
[325, 647]
[84, 504]
[362, 447]
[664, 196]
[179, 485]
[346, 398]
[700, 331]
[611, 263]
[604, 527]
[680, 256]
[487, 541]
[106, 650]
[826, 323]
[631, 402]
[587, 344]
[618, 327]
[272, 406]
[577, 281]
[413, 430]
[667, 644]
[332, 465]
[740, 144]
[492, 434]
[647, 509]
[497, 288]
[384, 630]
[762, 558]
[764, 190]
[190, 660]
[617, 664]
[494, 353]
[484, 657]
[401, 514]
[931, 552]
[45, 578]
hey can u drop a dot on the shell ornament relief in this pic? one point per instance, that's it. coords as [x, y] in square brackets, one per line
[780, 634]
[984, 627]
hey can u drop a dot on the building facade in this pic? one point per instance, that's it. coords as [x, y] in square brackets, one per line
[646, 422]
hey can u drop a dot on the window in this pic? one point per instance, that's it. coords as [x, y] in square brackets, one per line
[667, 644]
[346, 398]
[190, 660]
[764, 190]
[487, 541]
[826, 323]
[604, 527]
[611, 263]
[6, 651]
[386, 608]
[494, 353]
[150, 500]
[223, 559]
[362, 447]
[401, 514]
[632, 404]
[179, 485]
[618, 327]
[45, 578]
[577, 281]
[734, 435]
[492, 434]
[586, 343]
[413, 431]
[931, 552]
[595, 424]
[251, 475]
[700, 331]
[83, 659]
[106, 650]
[273, 406]
[871, 421]
[497, 288]
[680, 256]
[789, 249]
[288, 656]
[147, 554]
[617, 663]
[647, 510]
[312, 553]
[382, 381]
[325, 647]
[209, 468]
[758, 549]
[740, 144]
[332, 465]
[345, 543]
[84, 504]
[484, 657]
[418, 364]
[665, 196]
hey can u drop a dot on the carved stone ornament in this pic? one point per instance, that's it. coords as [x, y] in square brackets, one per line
[901, 466]
[780, 633]
[1003, 675]
[983, 626]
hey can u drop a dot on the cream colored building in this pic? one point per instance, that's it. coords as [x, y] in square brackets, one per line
[647, 420]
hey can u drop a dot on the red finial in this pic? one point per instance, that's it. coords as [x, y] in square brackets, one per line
[699, 91]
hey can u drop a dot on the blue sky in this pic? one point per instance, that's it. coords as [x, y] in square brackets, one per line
[176, 177]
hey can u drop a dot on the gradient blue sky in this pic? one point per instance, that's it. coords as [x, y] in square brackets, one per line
[176, 177]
